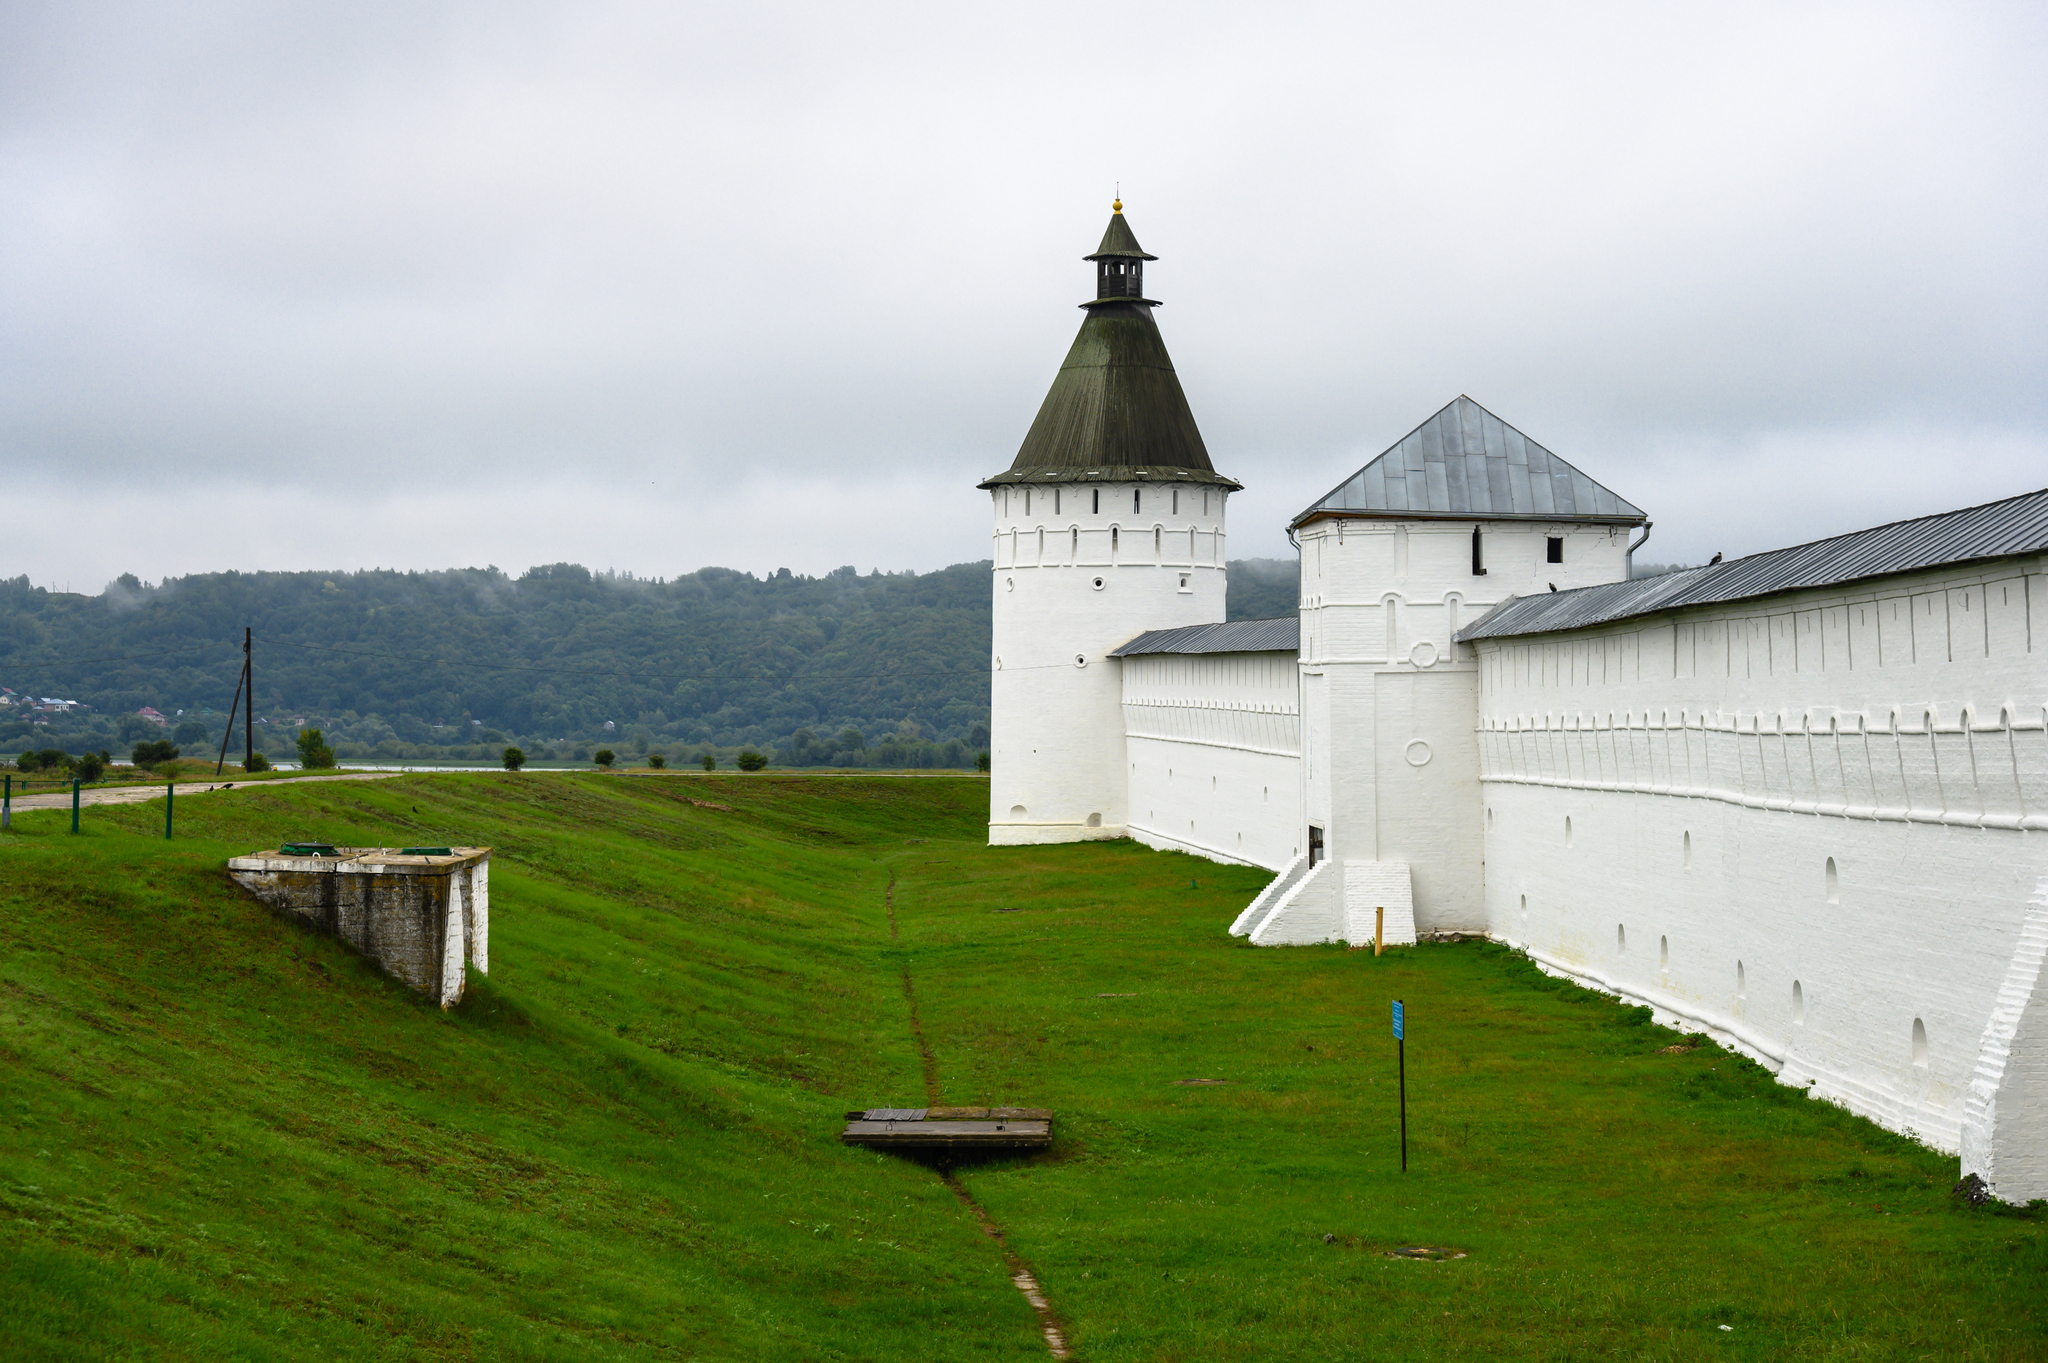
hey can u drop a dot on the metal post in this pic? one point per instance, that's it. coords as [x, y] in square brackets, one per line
[1401, 1060]
[7, 805]
[74, 804]
[170, 790]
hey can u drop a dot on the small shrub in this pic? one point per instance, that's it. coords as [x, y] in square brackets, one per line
[256, 762]
[514, 759]
[190, 731]
[981, 762]
[90, 766]
[43, 759]
[707, 761]
[313, 749]
[749, 760]
[151, 751]
[656, 761]
[604, 757]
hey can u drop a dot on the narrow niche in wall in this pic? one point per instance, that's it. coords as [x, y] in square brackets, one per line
[1567, 830]
[1663, 953]
[1920, 1043]
[1798, 1003]
[1095, 821]
[1834, 883]
[1688, 849]
[1620, 940]
[1525, 910]
[1741, 981]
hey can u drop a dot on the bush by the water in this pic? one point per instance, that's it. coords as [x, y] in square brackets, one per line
[149, 752]
[514, 759]
[313, 749]
[750, 761]
[604, 757]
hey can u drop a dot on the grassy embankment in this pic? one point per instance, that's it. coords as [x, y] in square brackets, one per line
[223, 1137]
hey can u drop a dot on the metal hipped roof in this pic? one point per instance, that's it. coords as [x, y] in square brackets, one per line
[2017, 525]
[1238, 636]
[1465, 461]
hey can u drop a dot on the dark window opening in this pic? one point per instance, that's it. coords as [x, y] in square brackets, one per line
[1478, 558]
[1098, 501]
[1315, 844]
[1553, 549]
[1135, 494]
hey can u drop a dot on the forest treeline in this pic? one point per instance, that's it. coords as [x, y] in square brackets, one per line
[844, 669]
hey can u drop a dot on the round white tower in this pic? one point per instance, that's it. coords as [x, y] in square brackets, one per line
[1109, 523]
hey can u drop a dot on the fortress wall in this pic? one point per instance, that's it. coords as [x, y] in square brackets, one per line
[1809, 824]
[1213, 746]
[1391, 773]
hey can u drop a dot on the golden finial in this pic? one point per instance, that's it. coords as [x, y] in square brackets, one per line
[1116, 205]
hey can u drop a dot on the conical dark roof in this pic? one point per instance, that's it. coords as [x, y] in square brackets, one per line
[1115, 412]
[1119, 240]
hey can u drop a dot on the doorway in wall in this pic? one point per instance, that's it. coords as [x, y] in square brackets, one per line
[1315, 844]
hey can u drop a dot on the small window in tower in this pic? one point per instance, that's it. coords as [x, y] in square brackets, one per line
[1055, 501]
[1205, 503]
[1478, 556]
[1553, 549]
[1112, 539]
[1027, 501]
[1136, 506]
[1155, 541]
[1097, 508]
[1077, 541]
[1176, 501]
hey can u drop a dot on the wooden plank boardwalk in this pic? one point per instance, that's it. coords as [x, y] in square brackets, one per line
[950, 1128]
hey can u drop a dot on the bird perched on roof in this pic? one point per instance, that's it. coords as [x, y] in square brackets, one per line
[1553, 586]
[1712, 561]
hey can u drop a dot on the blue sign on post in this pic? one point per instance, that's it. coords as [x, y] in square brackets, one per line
[1397, 1020]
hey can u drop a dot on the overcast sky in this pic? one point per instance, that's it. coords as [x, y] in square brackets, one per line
[659, 286]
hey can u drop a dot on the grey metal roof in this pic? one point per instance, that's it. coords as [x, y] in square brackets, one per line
[1465, 461]
[2017, 525]
[1237, 636]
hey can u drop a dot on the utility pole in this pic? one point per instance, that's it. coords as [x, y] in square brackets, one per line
[249, 710]
[241, 688]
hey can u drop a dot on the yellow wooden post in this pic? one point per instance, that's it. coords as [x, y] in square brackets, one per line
[1379, 927]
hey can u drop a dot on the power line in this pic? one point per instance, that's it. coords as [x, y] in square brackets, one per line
[616, 672]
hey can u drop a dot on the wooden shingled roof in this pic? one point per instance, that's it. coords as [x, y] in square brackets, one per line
[1115, 411]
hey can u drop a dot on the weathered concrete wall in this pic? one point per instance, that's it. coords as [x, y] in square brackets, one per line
[420, 918]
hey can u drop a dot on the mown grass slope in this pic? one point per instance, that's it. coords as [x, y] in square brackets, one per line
[223, 1137]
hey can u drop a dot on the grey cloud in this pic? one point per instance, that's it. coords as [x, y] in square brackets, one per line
[677, 270]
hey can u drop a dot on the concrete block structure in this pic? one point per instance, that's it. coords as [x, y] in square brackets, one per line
[422, 915]
[1797, 800]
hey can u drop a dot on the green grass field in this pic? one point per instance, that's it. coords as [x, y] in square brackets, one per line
[223, 1137]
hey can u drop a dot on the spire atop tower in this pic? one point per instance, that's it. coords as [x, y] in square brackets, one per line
[1120, 261]
[1116, 410]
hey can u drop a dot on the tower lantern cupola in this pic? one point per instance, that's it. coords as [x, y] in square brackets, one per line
[1119, 261]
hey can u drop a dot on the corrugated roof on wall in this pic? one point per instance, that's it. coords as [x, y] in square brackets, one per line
[2017, 525]
[1237, 636]
[1465, 461]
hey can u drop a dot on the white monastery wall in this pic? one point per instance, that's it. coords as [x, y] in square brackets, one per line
[1214, 754]
[1081, 569]
[1390, 767]
[1809, 825]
